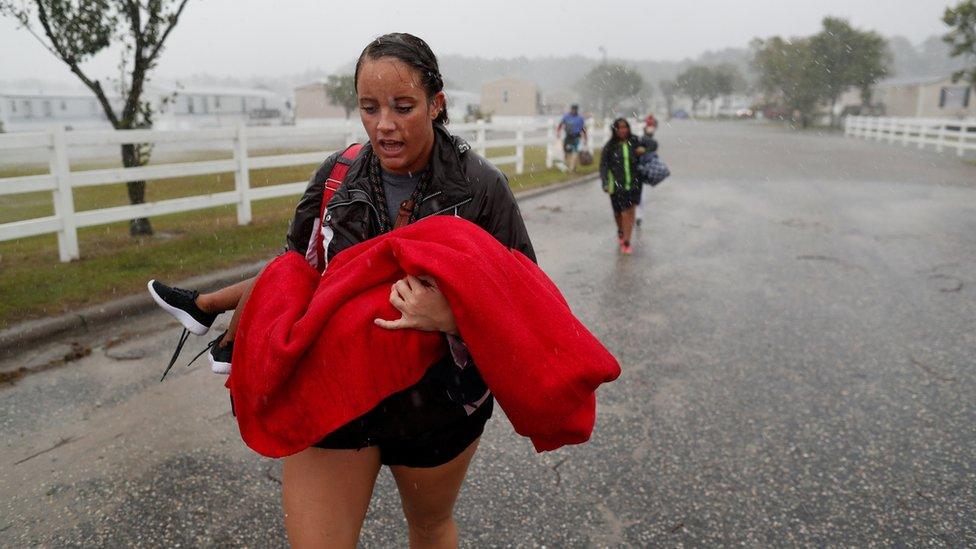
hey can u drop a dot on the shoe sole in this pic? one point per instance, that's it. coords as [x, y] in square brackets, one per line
[184, 317]
[218, 367]
[222, 368]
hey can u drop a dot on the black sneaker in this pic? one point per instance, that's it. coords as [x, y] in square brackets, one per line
[220, 356]
[182, 305]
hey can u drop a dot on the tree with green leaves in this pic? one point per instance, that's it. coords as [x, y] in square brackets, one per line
[668, 89]
[697, 82]
[607, 84]
[725, 80]
[848, 57]
[341, 91]
[961, 37]
[74, 31]
[788, 71]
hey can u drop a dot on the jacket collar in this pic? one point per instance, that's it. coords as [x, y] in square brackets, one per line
[449, 184]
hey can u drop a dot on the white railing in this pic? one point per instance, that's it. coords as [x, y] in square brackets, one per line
[61, 180]
[942, 133]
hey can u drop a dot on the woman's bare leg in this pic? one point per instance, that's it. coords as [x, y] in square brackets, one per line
[428, 496]
[326, 494]
[627, 222]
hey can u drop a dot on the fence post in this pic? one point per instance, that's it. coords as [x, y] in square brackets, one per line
[242, 177]
[64, 200]
[480, 138]
[892, 126]
[520, 148]
[942, 135]
[550, 142]
[593, 134]
[908, 130]
[961, 143]
[350, 132]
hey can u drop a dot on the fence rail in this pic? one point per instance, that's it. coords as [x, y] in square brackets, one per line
[942, 133]
[61, 180]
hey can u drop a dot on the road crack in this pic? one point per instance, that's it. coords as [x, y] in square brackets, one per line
[58, 444]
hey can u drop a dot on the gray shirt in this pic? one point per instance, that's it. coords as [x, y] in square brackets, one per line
[398, 189]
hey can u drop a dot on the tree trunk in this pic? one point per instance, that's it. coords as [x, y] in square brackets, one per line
[131, 158]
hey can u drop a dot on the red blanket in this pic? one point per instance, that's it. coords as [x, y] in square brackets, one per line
[308, 357]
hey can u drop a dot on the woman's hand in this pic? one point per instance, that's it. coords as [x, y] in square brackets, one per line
[422, 306]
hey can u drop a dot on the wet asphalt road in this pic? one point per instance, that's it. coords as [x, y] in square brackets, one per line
[796, 331]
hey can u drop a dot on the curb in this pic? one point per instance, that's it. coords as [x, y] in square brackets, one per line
[532, 193]
[84, 320]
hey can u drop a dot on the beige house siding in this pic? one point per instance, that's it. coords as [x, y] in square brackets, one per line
[924, 99]
[510, 97]
[312, 102]
[899, 100]
[929, 104]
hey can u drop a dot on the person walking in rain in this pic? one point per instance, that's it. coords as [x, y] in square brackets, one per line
[575, 132]
[618, 174]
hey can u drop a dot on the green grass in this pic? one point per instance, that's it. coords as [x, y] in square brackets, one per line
[34, 283]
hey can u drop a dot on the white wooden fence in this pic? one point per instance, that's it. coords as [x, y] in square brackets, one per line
[942, 133]
[62, 180]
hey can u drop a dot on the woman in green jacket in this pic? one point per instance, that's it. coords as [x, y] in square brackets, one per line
[618, 172]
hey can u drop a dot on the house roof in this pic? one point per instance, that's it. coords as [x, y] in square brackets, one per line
[46, 93]
[914, 80]
[216, 90]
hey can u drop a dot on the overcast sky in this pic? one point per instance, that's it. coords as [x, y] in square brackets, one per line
[265, 38]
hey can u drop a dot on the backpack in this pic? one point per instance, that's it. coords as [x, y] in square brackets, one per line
[315, 254]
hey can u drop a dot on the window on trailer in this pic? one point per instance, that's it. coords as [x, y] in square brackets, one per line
[954, 97]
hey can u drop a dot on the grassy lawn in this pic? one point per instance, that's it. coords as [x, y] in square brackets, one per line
[34, 283]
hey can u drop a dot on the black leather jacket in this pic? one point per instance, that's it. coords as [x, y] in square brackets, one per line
[463, 184]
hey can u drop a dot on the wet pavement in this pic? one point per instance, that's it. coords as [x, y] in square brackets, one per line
[797, 332]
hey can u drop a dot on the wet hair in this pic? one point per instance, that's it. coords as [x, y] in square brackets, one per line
[414, 52]
[613, 127]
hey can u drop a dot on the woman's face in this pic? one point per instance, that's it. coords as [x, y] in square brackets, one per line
[397, 114]
[622, 131]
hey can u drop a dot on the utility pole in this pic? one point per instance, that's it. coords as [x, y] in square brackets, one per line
[600, 108]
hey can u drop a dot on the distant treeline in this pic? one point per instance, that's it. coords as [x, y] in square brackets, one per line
[931, 57]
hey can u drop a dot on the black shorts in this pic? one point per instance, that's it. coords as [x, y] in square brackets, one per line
[623, 199]
[418, 427]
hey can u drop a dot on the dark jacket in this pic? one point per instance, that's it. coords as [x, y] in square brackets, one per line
[463, 184]
[612, 162]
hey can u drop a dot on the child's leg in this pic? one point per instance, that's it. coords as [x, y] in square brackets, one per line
[224, 299]
[245, 288]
